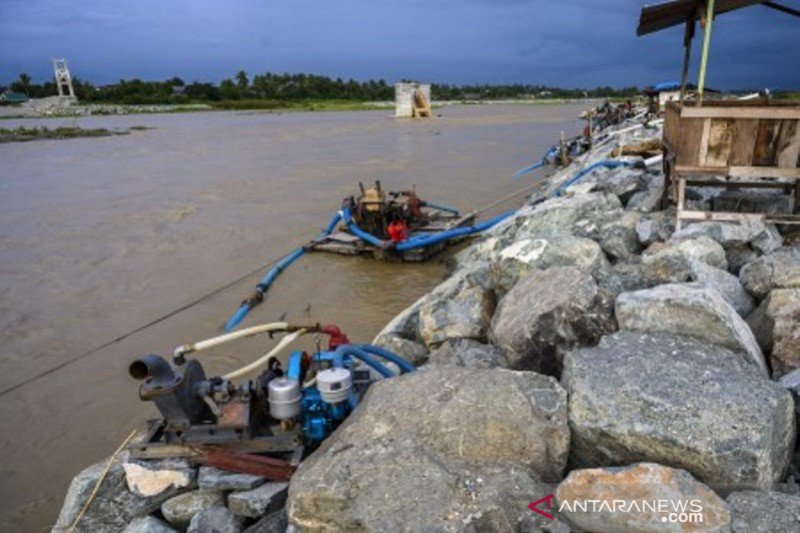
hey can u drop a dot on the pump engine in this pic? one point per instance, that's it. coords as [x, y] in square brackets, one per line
[282, 408]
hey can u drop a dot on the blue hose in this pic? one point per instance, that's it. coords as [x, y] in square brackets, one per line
[552, 152]
[440, 207]
[360, 233]
[331, 225]
[352, 351]
[606, 163]
[404, 365]
[262, 287]
[430, 240]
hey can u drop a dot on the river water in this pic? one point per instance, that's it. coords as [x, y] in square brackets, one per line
[99, 236]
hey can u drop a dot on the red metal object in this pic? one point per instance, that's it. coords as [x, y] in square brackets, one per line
[398, 231]
[337, 336]
[246, 463]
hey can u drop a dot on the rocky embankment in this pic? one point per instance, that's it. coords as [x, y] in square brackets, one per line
[582, 351]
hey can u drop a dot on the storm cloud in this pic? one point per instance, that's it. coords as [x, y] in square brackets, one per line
[578, 43]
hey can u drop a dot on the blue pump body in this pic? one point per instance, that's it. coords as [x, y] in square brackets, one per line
[319, 418]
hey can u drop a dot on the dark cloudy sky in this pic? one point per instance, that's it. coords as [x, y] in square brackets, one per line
[556, 42]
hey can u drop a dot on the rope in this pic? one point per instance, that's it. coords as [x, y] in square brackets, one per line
[100, 480]
[141, 328]
[200, 300]
[505, 199]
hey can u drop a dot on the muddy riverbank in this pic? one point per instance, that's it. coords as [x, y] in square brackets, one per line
[100, 236]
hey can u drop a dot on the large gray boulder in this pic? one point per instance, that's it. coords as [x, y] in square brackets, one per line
[673, 262]
[679, 402]
[762, 237]
[753, 201]
[275, 522]
[414, 352]
[259, 501]
[648, 200]
[468, 353]
[214, 519]
[216, 479]
[114, 506]
[622, 182]
[180, 509]
[617, 237]
[148, 524]
[642, 482]
[546, 314]
[777, 270]
[776, 325]
[693, 309]
[622, 277]
[459, 308]
[656, 227]
[725, 283]
[764, 512]
[558, 215]
[524, 256]
[434, 450]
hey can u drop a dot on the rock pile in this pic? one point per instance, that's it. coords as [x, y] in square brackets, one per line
[581, 351]
[139, 496]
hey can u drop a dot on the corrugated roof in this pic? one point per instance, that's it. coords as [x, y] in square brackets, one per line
[665, 15]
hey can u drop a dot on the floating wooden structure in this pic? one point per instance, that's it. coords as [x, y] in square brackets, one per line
[344, 243]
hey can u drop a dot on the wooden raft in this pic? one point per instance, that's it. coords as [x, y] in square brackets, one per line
[732, 144]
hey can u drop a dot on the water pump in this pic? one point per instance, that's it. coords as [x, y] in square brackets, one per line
[280, 409]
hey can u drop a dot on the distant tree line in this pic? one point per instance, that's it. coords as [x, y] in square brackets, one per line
[290, 87]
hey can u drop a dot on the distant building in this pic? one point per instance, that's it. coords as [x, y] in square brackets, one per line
[407, 95]
[10, 97]
[670, 91]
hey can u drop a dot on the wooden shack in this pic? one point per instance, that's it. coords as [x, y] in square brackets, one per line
[724, 143]
[744, 144]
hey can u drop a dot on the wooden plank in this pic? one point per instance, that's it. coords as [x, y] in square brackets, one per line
[788, 148]
[687, 147]
[740, 184]
[765, 172]
[161, 450]
[766, 143]
[744, 138]
[681, 199]
[720, 139]
[701, 159]
[737, 217]
[741, 172]
[756, 112]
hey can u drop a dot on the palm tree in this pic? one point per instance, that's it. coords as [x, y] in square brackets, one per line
[23, 85]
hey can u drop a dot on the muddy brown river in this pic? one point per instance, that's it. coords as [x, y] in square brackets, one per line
[99, 236]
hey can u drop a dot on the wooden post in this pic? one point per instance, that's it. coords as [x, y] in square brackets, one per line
[681, 198]
[688, 36]
[701, 78]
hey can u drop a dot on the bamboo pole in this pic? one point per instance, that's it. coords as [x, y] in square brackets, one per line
[701, 78]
